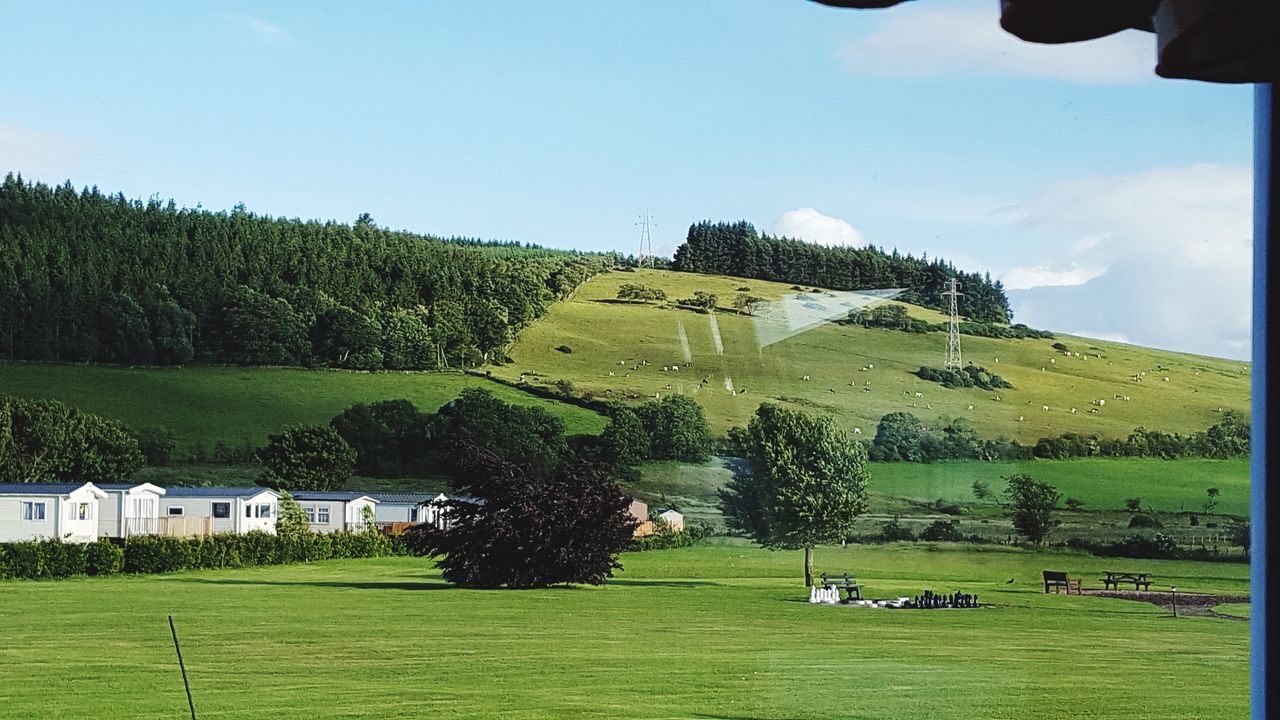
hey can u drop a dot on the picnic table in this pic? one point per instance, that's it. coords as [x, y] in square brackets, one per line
[1113, 580]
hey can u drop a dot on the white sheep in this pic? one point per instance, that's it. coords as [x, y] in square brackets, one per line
[1073, 411]
[970, 407]
[857, 431]
[1044, 408]
[919, 395]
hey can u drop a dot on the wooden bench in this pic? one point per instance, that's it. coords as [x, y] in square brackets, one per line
[1060, 581]
[1113, 579]
[844, 581]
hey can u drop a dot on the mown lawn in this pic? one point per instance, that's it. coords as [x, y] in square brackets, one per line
[708, 632]
[204, 405]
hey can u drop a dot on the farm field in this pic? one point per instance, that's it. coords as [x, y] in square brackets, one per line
[707, 632]
[732, 350]
[1102, 484]
[203, 405]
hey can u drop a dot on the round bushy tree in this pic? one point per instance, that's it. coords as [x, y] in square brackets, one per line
[807, 485]
[306, 457]
[1031, 503]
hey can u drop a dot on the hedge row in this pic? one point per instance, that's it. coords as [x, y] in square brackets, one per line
[42, 559]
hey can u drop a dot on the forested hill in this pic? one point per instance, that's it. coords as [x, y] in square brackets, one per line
[90, 276]
[737, 249]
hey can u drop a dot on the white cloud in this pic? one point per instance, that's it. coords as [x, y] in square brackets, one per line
[1025, 278]
[810, 225]
[261, 29]
[934, 40]
[1176, 246]
[37, 154]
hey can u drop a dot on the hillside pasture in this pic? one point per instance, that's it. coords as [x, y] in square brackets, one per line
[859, 374]
[203, 405]
[706, 632]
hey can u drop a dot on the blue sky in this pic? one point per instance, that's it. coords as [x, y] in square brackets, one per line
[1090, 186]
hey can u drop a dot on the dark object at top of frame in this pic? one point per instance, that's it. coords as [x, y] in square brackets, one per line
[1223, 42]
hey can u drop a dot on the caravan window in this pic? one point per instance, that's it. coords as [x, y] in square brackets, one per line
[177, 511]
[84, 511]
[33, 511]
[222, 510]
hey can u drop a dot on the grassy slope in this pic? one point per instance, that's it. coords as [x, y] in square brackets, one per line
[602, 333]
[711, 632]
[206, 404]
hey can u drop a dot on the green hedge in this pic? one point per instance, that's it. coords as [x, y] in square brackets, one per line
[42, 559]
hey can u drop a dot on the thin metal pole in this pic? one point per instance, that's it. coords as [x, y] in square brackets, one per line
[190, 703]
[1266, 234]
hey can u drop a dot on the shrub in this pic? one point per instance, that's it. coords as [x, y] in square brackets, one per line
[1158, 546]
[103, 558]
[894, 531]
[1144, 520]
[154, 554]
[942, 531]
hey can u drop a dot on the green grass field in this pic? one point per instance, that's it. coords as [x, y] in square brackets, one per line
[601, 333]
[1102, 484]
[708, 632]
[203, 405]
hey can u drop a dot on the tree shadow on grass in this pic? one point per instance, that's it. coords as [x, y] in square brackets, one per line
[664, 583]
[395, 585]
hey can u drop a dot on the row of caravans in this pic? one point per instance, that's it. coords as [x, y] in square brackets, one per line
[85, 512]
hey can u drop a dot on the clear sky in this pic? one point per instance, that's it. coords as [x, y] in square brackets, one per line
[1112, 203]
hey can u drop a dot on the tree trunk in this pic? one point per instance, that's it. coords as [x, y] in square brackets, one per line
[808, 566]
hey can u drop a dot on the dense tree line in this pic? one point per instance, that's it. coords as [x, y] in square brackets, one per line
[1226, 439]
[737, 249]
[969, 376]
[90, 276]
[902, 437]
[892, 316]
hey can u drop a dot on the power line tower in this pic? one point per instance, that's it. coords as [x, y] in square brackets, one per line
[953, 329]
[646, 242]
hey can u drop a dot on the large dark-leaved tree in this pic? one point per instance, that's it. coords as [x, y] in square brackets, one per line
[529, 529]
[807, 484]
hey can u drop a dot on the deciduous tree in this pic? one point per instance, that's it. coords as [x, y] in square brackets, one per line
[807, 484]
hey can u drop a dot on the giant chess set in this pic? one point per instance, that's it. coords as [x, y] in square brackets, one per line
[927, 600]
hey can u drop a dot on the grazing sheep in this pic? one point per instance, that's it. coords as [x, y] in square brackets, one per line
[871, 366]
[1166, 378]
[831, 390]
[1093, 411]
[866, 389]
[1044, 408]
[610, 373]
[1073, 411]
[997, 398]
[667, 386]
[857, 431]
[970, 407]
[919, 395]
[1019, 418]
